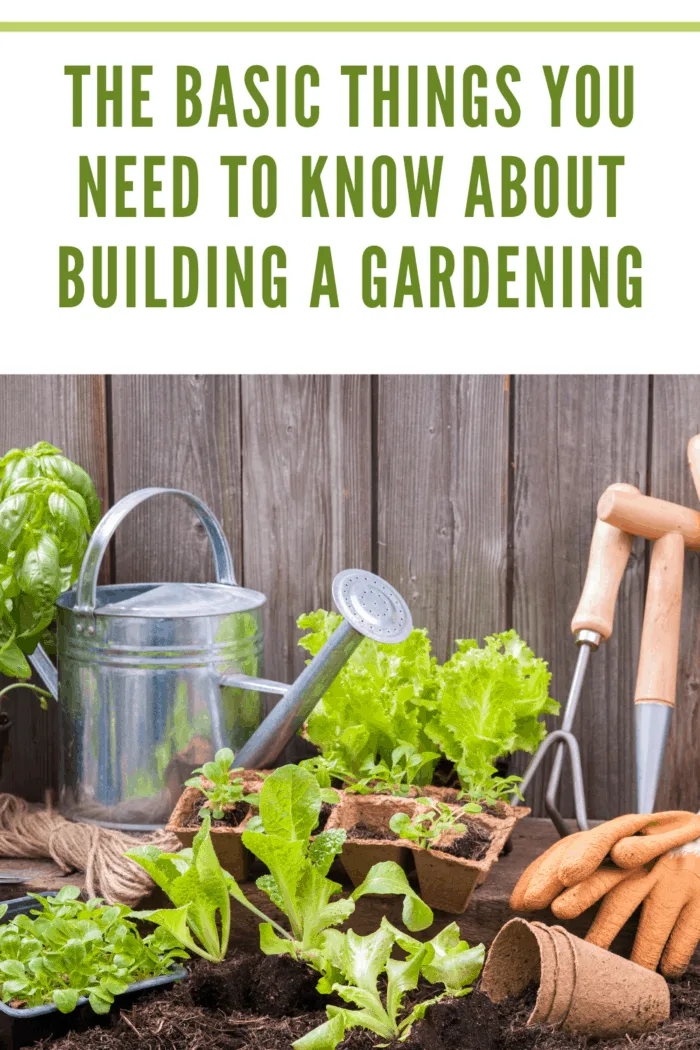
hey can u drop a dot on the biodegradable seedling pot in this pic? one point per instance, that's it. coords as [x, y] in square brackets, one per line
[24, 1026]
[448, 882]
[375, 811]
[582, 989]
[227, 841]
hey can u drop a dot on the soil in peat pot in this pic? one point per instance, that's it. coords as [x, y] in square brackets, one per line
[366, 831]
[324, 814]
[472, 845]
[231, 819]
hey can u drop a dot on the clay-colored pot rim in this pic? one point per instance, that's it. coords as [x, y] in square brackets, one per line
[186, 805]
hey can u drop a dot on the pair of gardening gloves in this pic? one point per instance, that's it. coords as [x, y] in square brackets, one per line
[653, 860]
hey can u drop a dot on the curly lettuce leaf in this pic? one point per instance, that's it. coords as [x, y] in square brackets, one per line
[383, 694]
[490, 702]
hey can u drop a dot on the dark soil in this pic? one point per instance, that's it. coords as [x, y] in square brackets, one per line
[472, 845]
[326, 810]
[232, 817]
[212, 1011]
[9, 891]
[366, 831]
[284, 986]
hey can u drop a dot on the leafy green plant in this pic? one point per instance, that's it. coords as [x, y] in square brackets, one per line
[382, 695]
[481, 704]
[406, 769]
[425, 827]
[200, 890]
[489, 703]
[194, 881]
[220, 785]
[48, 507]
[297, 882]
[491, 791]
[72, 949]
[359, 963]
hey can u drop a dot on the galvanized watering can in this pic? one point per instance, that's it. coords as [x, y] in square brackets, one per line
[153, 678]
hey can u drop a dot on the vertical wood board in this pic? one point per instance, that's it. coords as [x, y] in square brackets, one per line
[573, 436]
[442, 501]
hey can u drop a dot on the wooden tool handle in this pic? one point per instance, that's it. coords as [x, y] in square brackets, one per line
[649, 517]
[658, 655]
[610, 551]
[694, 461]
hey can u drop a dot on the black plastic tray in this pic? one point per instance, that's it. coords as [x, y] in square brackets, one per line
[27, 1025]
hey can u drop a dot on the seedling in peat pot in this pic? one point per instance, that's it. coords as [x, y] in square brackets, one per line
[426, 827]
[290, 802]
[217, 785]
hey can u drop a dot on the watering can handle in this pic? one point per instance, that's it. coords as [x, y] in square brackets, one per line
[86, 596]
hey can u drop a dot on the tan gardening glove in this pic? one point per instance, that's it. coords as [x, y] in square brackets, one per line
[575, 861]
[669, 926]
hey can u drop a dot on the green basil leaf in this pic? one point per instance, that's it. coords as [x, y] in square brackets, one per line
[40, 575]
[13, 663]
[14, 512]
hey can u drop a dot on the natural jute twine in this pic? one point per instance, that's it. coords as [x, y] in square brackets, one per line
[29, 831]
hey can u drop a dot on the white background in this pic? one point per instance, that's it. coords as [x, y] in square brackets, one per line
[658, 203]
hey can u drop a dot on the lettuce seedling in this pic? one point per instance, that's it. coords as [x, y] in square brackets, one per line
[297, 882]
[405, 770]
[199, 888]
[358, 964]
[383, 694]
[489, 704]
[72, 949]
[193, 879]
[426, 827]
[220, 785]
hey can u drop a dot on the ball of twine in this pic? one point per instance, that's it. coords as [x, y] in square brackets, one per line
[32, 832]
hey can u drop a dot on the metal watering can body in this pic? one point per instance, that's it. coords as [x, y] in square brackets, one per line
[154, 678]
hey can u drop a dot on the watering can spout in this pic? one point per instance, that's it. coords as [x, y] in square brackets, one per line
[371, 608]
[43, 666]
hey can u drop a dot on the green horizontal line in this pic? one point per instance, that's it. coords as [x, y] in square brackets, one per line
[349, 27]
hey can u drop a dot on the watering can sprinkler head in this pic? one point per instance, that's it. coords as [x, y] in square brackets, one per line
[370, 608]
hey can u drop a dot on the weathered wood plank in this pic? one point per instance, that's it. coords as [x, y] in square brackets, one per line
[573, 436]
[307, 497]
[184, 432]
[442, 511]
[675, 419]
[70, 412]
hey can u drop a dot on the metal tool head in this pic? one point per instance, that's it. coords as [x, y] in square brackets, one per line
[371, 606]
[652, 721]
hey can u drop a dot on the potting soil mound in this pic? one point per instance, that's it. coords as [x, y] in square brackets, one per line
[253, 1002]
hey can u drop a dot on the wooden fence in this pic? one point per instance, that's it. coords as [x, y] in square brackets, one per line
[474, 495]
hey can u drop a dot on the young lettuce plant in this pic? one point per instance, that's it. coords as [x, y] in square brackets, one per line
[489, 704]
[220, 785]
[426, 827]
[358, 964]
[383, 694]
[290, 802]
[407, 765]
[297, 882]
[200, 890]
[72, 949]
